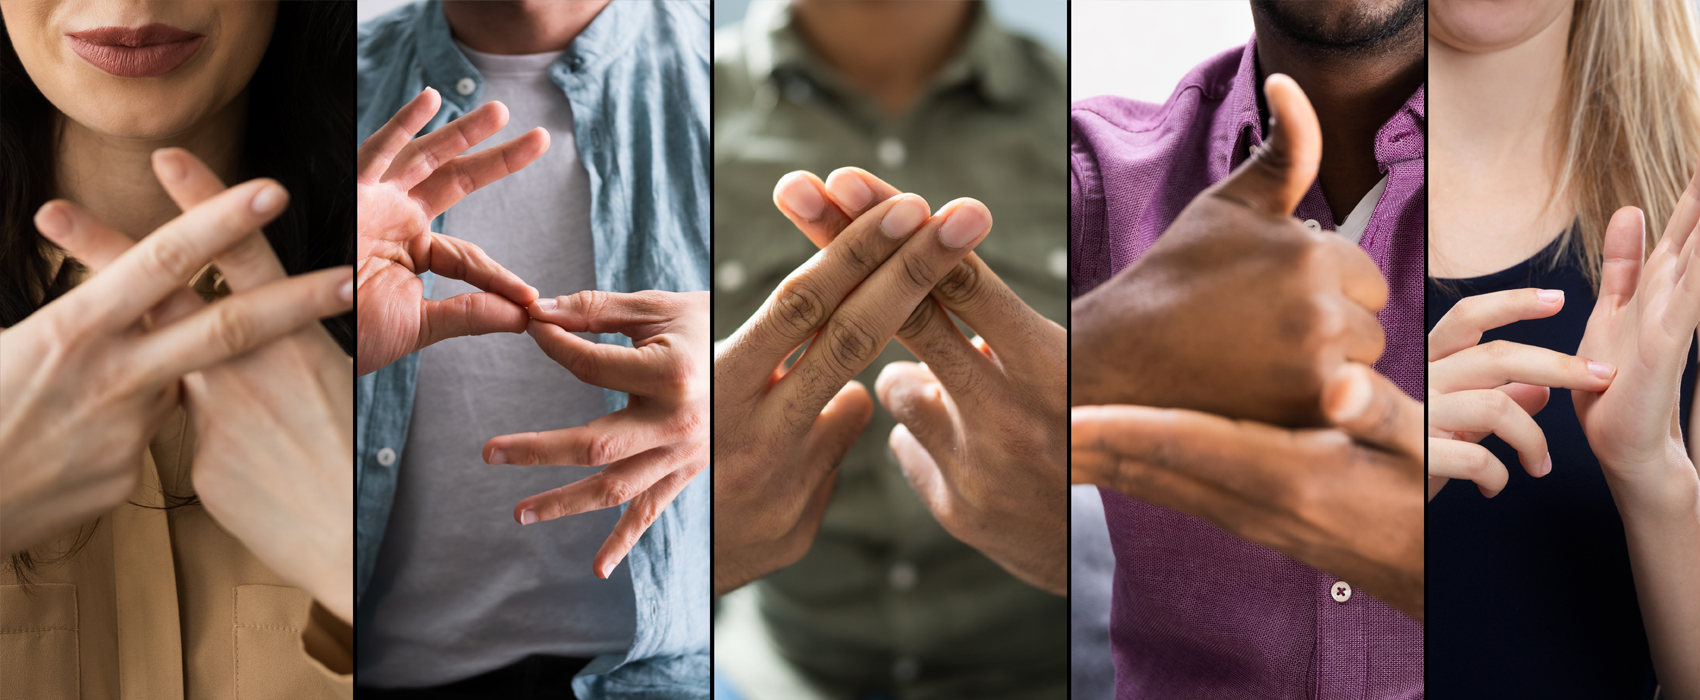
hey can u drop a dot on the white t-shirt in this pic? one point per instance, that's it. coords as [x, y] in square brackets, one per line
[460, 588]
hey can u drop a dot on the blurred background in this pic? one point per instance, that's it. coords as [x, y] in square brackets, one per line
[1118, 50]
[1039, 19]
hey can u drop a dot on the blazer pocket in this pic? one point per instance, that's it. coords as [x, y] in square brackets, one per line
[270, 660]
[38, 641]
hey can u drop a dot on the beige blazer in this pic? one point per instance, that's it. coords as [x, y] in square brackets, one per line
[165, 605]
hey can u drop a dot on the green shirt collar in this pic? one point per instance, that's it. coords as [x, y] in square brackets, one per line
[989, 59]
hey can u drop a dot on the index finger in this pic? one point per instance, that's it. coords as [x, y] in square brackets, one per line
[162, 262]
[463, 260]
[1463, 325]
[971, 290]
[803, 302]
[1244, 456]
[247, 264]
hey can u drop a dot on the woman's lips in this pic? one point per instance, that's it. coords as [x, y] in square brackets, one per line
[143, 52]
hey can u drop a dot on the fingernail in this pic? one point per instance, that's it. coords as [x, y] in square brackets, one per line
[602, 571]
[964, 224]
[1354, 401]
[497, 456]
[527, 517]
[52, 220]
[849, 189]
[800, 196]
[268, 199]
[347, 291]
[170, 167]
[1546, 466]
[904, 217]
[548, 304]
[1602, 370]
[1550, 295]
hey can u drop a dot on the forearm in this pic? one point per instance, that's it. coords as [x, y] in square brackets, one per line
[1661, 519]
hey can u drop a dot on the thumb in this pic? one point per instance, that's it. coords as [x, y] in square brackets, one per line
[1276, 176]
[1621, 269]
[1371, 409]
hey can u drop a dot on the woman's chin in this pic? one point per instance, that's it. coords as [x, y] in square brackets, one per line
[152, 117]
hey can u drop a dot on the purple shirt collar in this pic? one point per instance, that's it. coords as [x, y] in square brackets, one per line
[1197, 612]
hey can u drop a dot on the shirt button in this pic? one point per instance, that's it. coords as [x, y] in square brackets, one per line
[1341, 591]
[466, 86]
[902, 576]
[1312, 225]
[906, 669]
[386, 456]
[730, 277]
[1058, 263]
[892, 153]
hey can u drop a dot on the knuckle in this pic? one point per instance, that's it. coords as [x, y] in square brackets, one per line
[230, 330]
[918, 274]
[798, 307]
[1498, 349]
[602, 448]
[613, 492]
[849, 343]
[918, 320]
[169, 258]
[860, 256]
[585, 366]
[961, 286]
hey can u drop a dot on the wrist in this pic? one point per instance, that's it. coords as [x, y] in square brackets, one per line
[1667, 488]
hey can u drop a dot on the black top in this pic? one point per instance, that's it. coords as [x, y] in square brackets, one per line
[1530, 594]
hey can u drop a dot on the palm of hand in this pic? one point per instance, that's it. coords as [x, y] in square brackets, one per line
[1632, 422]
[393, 228]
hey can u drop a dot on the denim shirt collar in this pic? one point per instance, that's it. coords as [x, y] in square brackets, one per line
[608, 36]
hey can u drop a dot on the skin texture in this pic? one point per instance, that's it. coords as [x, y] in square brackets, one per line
[91, 376]
[241, 366]
[1237, 310]
[1498, 73]
[1359, 61]
[1645, 322]
[980, 431]
[1495, 388]
[654, 446]
[113, 125]
[274, 425]
[886, 50]
[402, 183]
[1497, 70]
[780, 431]
[1342, 499]
[518, 27]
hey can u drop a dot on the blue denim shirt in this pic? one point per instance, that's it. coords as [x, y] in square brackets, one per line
[638, 82]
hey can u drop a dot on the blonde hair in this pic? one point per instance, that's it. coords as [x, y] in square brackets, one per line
[1629, 119]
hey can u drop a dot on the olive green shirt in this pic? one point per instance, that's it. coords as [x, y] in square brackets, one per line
[886, 600]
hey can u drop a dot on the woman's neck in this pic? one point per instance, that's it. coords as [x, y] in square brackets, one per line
[113, 177]
[1494, 153]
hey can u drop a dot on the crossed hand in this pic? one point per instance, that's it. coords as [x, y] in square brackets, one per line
[1230, 371]
[980, 434]
[654, 447]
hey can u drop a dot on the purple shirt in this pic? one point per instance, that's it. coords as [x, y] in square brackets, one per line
[1197, 612]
